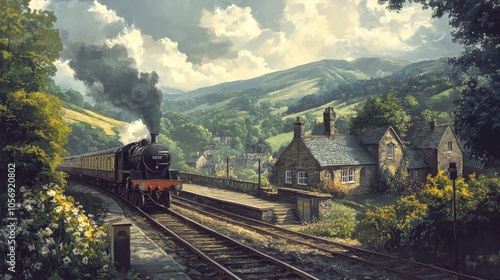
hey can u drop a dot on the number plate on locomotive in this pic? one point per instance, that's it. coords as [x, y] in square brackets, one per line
[156, 157]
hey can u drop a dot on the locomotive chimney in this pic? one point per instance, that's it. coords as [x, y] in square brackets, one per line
[154, 137]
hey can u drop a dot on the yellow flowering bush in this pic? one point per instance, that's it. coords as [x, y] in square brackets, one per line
[421, 224]
[56, 239]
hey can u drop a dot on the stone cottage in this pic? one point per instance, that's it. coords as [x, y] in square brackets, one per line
[355, 161]
[437, 146]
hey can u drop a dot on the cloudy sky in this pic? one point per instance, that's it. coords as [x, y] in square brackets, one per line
[197, 43]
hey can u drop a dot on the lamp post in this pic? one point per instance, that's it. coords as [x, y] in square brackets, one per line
[452, 169]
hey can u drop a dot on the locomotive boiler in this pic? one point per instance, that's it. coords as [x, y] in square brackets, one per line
[139, 171]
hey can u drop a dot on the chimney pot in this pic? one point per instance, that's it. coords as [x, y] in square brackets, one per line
[329, 121]
[298, 128]
[432, 125]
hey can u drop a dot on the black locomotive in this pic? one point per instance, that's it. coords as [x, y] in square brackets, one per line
[138, 171]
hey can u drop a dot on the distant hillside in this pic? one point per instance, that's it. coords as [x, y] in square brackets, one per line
[74, 114]
[292, 84]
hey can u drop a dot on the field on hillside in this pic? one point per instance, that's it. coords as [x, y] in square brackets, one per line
[93, 119]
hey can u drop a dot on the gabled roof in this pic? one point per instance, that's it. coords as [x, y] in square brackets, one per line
[337, 150]
[373, 135]
[427, 138]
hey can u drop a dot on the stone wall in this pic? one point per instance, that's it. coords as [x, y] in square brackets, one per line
[296, 157]
[445, 156]
[384, 162]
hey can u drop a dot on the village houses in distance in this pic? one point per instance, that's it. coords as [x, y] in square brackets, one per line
[353, 161]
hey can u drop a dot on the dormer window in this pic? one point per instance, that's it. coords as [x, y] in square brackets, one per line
[390, 151]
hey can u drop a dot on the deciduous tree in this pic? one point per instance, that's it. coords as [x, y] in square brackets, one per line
[378, 111]
[476, 25]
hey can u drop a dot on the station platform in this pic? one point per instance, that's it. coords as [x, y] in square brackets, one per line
[241, 203]
[146, 257]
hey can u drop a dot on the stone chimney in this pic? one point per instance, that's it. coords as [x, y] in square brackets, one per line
[298, 128]
[329, 121]
[432, 125]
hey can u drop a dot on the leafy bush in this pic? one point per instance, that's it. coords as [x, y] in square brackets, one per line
[421, 224]
[339, 222]
[56, 239]
[336, 189]
[377, 228]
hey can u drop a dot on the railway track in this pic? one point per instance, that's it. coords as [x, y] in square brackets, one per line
[231, 258]
[401, 268]
[216, 256]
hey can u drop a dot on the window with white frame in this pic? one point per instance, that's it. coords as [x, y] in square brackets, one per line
[288, 176]
[302, 178]
[344, 175]
[351, 175]
[390, 151]
[348, 175]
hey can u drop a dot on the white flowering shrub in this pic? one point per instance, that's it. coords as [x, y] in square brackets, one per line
[56, 239]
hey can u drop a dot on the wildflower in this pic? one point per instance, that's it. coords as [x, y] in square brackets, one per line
[51, 192]
[66, 260]
[47, 231]
[50, 241]
[37, 265]
[22, 189]
[85, 260]
[58, 209]
[77, 251]
[31, 247]
[105, 267]
[75, 212]
[44, 250]
[45, 187]
[100, 234]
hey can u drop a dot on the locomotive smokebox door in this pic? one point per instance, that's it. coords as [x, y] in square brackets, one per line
[452, 169]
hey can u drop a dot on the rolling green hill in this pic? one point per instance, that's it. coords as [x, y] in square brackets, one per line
[265, 107]
[72, 115]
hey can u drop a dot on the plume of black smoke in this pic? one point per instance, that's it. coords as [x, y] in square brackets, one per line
[110, 75]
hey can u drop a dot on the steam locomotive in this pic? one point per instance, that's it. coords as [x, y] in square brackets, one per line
[138, 171]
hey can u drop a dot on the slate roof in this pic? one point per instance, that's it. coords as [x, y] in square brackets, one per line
[427, 138]
[373, 135]
[337, 150]
[415, 161]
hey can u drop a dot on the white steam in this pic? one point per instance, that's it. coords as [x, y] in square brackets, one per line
[133, 132]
